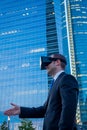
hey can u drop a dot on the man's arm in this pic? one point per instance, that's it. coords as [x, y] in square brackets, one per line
[69, 97]
[33, 112]
[25, 112]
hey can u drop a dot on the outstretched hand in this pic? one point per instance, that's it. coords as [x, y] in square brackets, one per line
[13, 111]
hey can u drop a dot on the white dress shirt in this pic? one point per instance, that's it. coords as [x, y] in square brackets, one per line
[57, 74]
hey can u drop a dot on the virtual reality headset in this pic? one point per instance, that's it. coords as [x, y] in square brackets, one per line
[45, 61]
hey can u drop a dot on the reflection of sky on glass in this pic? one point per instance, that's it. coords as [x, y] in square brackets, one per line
[22, 42]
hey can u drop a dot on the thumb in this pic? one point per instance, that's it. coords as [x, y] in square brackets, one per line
[13, 104]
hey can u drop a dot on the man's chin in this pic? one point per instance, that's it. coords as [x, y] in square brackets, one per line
[49, 73]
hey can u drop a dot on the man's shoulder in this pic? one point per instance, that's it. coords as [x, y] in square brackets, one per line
[70, 78]
[65, 77]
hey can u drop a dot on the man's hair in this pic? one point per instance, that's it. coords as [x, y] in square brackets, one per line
[61, 58]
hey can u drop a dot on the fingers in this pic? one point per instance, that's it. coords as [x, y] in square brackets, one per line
[8, 112]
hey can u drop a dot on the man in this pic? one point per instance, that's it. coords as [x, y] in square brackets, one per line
[60, 108]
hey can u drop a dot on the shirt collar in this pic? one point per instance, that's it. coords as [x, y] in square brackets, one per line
[57, 74]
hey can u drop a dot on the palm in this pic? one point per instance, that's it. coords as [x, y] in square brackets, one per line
[13, 111]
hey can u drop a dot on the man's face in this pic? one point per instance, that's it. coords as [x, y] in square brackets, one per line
[51, 68]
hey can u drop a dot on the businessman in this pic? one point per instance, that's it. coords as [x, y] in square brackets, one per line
[59, 110]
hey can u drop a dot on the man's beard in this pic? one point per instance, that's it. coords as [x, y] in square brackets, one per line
[51, 72]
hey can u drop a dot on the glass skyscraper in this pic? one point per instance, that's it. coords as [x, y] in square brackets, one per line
[74, 32]
[28, 30]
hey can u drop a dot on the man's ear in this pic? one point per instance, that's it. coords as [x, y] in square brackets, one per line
[58, 62]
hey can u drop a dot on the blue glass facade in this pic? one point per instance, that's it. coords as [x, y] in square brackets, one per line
[28, 30]
[22, 42]
[74, 28]
[79, 20]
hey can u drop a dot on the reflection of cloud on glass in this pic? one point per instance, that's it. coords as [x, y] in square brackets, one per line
[3, 67]
[25, 65]
[30, 92]
[10, 32]
[36, 50]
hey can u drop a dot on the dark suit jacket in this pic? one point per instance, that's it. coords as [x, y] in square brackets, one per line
[60, 108]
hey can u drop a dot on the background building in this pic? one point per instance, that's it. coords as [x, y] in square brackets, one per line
[74, 32]
[28, 30]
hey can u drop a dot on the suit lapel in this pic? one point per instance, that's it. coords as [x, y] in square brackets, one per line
[60, 77]
[56, 83]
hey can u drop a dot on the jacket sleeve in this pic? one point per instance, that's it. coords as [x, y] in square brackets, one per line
[69, 98]
[33, 112]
